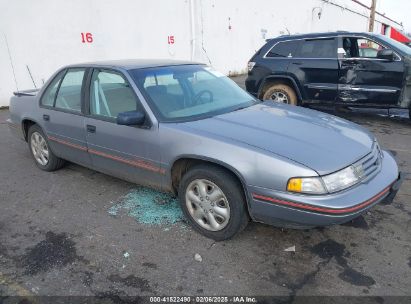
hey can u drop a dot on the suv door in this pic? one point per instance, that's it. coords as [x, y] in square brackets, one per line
[128, 152]
[315, 65]
[364, 78]
[63, 121]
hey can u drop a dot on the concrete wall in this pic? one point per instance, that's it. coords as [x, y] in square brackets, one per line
[46, 34]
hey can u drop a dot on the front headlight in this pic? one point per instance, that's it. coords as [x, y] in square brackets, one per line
[310, 185]
[326, 184]
[341, 179]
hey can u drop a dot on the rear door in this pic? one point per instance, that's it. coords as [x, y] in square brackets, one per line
[315, 65]
[61, 108]
[365, 79]
[272, 64]
[128, 152]
[280, 55]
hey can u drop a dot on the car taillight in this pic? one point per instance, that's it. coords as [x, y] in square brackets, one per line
[251, 64]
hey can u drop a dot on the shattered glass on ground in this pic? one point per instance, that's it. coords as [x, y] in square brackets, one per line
[151, 207]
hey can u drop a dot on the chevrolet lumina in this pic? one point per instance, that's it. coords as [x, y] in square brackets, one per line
[184, 128]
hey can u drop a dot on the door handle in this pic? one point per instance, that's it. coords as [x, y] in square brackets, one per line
[297, 63]
[91, 129]
[46, 117]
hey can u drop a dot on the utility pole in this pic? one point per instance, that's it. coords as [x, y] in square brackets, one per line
[372, 15]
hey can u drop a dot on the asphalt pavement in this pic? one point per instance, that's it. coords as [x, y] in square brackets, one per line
[79, 232]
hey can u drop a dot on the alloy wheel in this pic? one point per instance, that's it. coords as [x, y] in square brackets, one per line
[279, 97]
[39, 148]
[207, 204]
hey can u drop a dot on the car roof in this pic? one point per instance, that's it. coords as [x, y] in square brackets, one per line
[131, 64]
[321, 34]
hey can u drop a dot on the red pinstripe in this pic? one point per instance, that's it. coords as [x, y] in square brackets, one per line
[67, 143]
[323, 209]
[135, 163]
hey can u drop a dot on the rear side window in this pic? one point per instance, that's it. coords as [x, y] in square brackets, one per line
[50, 94]
[321, 48]
[284, 49]
[69, 93]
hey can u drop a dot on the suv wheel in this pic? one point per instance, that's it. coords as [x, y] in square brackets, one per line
[213, 202]
[281, 93]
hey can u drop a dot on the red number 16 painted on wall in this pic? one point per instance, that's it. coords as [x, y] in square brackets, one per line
[86, 37]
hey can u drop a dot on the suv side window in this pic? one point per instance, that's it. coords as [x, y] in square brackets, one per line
[318, 48]
[69, 93]
[284, 49]
[110, 94]
[360, 47]
[50, 94]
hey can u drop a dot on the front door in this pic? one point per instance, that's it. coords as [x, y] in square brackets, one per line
[366, 79]
[128, 152]
[62, 118]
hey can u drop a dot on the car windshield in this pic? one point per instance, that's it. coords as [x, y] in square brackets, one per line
[188, 92]
[400, 46]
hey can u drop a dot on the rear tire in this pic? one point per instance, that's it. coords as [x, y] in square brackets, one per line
[281, 93]
[217, 210]
[40, 150]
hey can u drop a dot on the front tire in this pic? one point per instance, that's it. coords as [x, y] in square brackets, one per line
[213, 201]
[40, 150]
[281, 93]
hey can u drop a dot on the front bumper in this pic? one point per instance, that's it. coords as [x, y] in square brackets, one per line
[305, 211]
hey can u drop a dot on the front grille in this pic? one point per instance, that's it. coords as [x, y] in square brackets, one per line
[370, 165]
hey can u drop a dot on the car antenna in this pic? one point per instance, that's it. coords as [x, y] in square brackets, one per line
[11, 62]
[31, 76]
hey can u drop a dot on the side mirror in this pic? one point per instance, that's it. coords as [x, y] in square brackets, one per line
[131, 118]
[386, 54]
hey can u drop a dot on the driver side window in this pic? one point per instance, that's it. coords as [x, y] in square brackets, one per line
[355, 47]
[368, 48]
[110, 94]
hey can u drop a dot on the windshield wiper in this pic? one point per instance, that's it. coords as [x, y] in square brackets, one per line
[240, 108]
[254, 102]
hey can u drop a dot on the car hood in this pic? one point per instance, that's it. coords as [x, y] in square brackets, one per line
[322, 142]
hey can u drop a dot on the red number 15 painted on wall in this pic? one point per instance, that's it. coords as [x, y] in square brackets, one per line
[86, 37]
[170, 39]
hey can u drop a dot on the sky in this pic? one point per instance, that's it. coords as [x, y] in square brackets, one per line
[399, 10]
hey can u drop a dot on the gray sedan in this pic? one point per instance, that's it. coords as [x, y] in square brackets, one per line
[186, 128]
